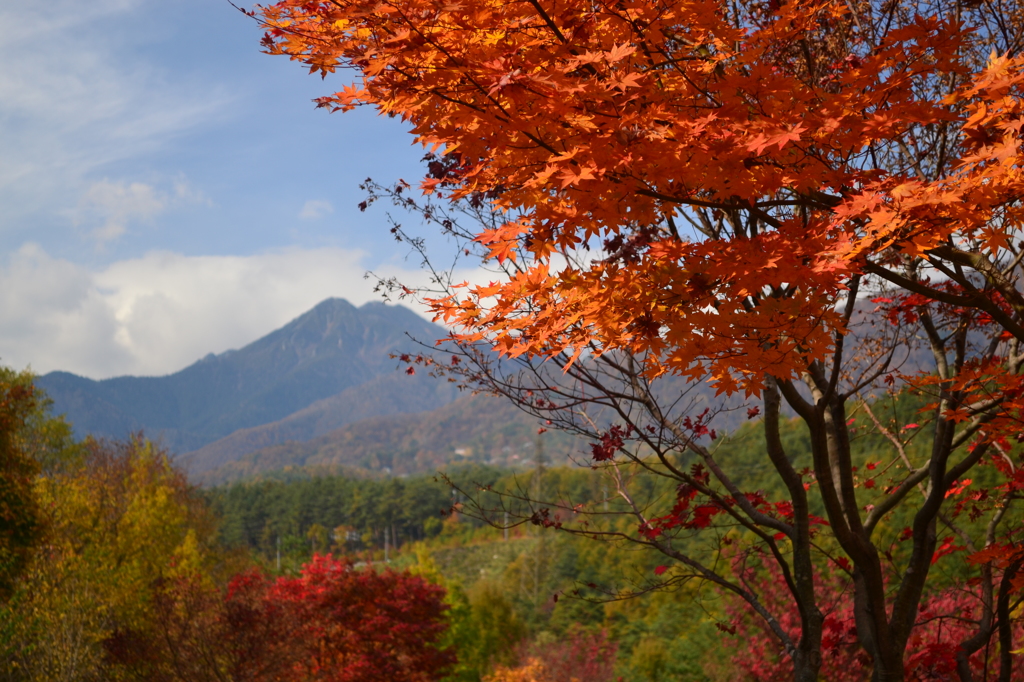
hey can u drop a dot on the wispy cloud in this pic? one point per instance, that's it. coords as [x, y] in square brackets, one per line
[70, 105]
[116, 204]
[110, 207]
[315, 209]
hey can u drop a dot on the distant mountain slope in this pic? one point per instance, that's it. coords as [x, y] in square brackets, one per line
[355, 430]
[473, 428]
[388, 394]
[328, 350]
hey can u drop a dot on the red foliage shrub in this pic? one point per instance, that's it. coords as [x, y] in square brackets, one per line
[580, 655]
[361, 626]
[333, 623]
[944, 621]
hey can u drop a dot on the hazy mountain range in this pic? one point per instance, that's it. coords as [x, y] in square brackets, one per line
[322, 390]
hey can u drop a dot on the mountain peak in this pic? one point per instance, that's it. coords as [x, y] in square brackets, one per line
[332, 305]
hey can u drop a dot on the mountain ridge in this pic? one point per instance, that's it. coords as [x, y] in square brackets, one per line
[321, 353]
[383, 396]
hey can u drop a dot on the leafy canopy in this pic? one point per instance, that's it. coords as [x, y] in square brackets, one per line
[789, 134]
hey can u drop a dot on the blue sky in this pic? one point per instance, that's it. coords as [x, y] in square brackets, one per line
[169, 191]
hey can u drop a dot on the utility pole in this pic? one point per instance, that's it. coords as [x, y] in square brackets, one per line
[385, 544]
[278, 553]
[539, 458]
[539, 461]
[506, 526]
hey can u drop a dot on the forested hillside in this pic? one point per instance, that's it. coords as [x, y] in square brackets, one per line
[475, 428]
[505, 588]
[535, 588]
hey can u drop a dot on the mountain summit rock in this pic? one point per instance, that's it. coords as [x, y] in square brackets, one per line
[334, 348]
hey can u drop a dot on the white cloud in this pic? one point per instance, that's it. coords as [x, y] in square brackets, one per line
[158, 313]
[314, 209]
[53, 316]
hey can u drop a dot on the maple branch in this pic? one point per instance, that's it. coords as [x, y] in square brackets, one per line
[548, 20]
[802, 583]
[643, 394]
[993, 276]
[908, 595]
[889, 502]
[915, 286]
[809, 413]
[883, 365]
[710, 204]
[830, 414]
[963, 466]
[839, 340]
[1010, 267]
[777, 455]
[936, 343]
[744, 503]
[684, 202]
[916, 477]
[700, 569]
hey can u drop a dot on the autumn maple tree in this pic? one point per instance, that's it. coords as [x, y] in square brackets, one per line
[784, 199]
[946, 618]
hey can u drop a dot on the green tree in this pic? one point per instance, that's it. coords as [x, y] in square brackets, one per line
[118, 522]
[21, 523]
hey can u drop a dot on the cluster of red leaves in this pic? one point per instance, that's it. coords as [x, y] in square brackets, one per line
[682, 515]
[332, 623]
[686, 514]
[1003, 556]
[983, 383]
[906, 307]
[364, 625]
[698, 426]
[610, 443]
[544, 518]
